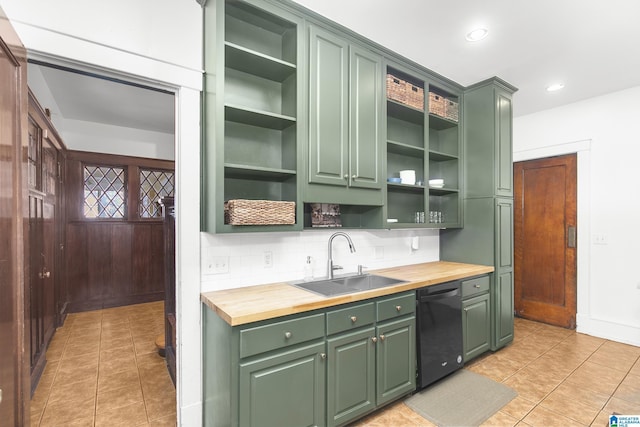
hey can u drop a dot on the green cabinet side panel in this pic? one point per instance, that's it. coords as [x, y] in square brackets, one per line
[365, 119]
[285, 389]
[396, 359]
[476, 326]
[328, 115]
[350, 376]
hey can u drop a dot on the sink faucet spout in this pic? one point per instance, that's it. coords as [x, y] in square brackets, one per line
[352, 249]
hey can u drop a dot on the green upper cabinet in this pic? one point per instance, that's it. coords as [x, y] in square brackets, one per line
[345, 121]
[488, 134]
[253, 106]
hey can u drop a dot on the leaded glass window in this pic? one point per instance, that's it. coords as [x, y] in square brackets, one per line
[154, 185]
[104, 192]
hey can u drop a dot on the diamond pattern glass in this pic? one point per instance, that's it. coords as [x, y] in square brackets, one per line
[104, 192]
[154, 185]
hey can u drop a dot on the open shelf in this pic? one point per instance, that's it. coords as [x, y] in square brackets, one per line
[391, 186]
[252, 172]
[439, 123]
[437, 156]
[404, 112]
[254, 117]
[404, 149]
[256, 63]
[442, 191]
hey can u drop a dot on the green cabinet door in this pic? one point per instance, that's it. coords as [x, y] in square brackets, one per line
[396, 359]
[503, 143]
[476, 326]
[502, 292]
[328, 108]
[284, 389]
[365, 119]
[350, 376]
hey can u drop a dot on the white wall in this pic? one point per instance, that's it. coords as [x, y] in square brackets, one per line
[157, 43]
[605, 131]
[246, 254]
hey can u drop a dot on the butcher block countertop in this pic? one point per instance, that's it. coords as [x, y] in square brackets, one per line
[261, 302]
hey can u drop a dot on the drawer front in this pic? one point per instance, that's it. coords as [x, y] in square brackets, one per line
[350, 318]
[396, 306]
[475, 286]
[281, 334]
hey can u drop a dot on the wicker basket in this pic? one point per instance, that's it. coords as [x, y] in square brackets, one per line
[259, 212]
[436, 104]
[451, 109]
[415, 96]
[396, 89]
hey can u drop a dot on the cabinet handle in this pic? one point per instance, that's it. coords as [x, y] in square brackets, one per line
[382, 337]
[354, 319]
[466, 309]
[476, 286]
[398, 308]
[323, 356]
[287, 335]
[354, 176]
[346, 176]
[374, 339]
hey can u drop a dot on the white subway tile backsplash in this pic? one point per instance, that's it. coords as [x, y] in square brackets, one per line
[374, 249]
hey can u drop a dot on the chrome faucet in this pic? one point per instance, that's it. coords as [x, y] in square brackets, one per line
[330, 266]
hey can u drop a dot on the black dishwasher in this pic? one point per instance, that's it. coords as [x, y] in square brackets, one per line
[439, 331]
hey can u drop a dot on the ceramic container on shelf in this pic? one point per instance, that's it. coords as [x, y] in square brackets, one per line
[408, 177]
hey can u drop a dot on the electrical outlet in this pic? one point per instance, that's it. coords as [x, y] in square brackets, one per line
[216, 265]
[268, 259]
[600, 239]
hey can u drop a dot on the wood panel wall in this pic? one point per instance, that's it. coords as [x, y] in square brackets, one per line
[111, 262]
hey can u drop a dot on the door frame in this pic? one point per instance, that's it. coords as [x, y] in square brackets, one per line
[582, 149]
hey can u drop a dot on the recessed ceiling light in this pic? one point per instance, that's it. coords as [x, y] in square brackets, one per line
[477, 34]
[555, 87]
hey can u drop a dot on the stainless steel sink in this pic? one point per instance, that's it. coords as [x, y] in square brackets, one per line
[347, 284]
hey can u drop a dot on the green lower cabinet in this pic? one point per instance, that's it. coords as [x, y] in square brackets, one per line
[350, 376]
[396, 359]
[285, 389]
[476, 326]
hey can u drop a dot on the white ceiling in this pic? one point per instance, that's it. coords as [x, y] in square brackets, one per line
[592, 46]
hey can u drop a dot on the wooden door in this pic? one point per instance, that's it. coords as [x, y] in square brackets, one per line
[545, 240]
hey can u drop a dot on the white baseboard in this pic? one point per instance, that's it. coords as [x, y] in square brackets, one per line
[608, 330]
[190, 415]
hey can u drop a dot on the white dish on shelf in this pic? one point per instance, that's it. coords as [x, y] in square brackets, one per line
[436, 185]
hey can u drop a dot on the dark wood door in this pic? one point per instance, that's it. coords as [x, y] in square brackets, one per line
[545, 240]
[40, 288]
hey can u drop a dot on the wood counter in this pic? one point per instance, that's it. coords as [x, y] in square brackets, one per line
[261, 302]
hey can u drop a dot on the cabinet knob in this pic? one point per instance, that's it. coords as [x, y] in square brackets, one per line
[354, 176]
[354, 319]
[382, 337]
[323, 356]
[346, 176]
[476, 286]
[287, 335]
[398, 308]
[374, 339]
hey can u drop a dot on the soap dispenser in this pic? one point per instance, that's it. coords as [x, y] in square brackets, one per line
[308, 270]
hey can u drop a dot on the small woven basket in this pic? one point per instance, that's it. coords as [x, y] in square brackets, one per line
[436, 104]
[415, 96]
[396, 88]
[259, 212]
[451, 109]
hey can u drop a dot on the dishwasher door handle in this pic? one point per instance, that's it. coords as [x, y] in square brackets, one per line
[439, 295]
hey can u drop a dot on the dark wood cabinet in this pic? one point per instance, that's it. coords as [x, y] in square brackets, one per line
[169, 215]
